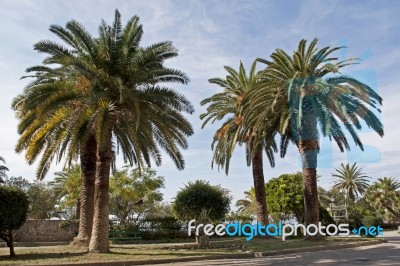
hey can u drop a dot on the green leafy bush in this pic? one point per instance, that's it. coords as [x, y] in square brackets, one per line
[162, 223]
[325, 217]
[13, 212]
[198, 196]
[363, 215]
[285, 197]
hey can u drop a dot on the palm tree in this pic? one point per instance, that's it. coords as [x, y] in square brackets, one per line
[120, 103]
[351, 179]
[3, 170]
[67, 185]
[384, 194]
[309, 98]
[390, 183]
[247, 205]
[58, 125]
[228, 104]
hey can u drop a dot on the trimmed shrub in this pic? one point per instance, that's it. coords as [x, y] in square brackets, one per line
[13, 212]
[198, 196]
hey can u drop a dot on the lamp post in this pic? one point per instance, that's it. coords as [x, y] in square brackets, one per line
[332, 204]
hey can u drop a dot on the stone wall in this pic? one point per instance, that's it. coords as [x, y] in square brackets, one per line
[46, 231]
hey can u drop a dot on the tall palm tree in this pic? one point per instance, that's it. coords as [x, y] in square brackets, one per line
[228, 105]
[3, 170]
[351, 179]
[384, 194]
[54, 111]
[67, 185]
[310, 99]
[120, 104]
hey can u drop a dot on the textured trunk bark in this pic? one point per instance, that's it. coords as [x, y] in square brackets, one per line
[99, 241]
[352, 196]
[306, 136]
[10, 243]
[78, 209]
[308, 150]
[88, 167]
[259, 187]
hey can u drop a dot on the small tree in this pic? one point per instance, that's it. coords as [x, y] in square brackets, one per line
[204, 202]
[197, 196]
[133, 193]
[285, 197]
[42, 200]
[18, 182]
[67, 188]
[13, 212]
[42, 196]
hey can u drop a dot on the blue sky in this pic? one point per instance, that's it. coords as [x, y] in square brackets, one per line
[209, 35]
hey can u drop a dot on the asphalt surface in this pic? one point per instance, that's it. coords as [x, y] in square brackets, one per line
[382, 254]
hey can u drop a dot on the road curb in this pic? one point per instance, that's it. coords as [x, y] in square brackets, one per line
[319, 248]
[224, 256]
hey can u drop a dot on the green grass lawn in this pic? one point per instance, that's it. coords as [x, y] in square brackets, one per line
[136, 252]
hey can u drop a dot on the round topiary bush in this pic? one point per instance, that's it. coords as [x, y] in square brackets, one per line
[199, 196]
[13, 212]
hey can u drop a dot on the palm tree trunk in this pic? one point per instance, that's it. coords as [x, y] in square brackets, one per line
[78, 209]
[100, 232]
[307, 142]
[88, 167]
[352, 196]
[259, 187]
[308, 150]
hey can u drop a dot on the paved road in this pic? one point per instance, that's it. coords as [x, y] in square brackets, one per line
[383, 254]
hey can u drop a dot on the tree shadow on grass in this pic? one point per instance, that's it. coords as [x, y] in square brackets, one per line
[383, 254]
[40, 256]
[172, 254]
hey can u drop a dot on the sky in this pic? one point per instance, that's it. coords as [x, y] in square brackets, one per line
[210, 35]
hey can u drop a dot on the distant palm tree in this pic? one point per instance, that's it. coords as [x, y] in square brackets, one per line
[228, 105]
[247, 205]
[3, 170]
[384, 194]
[351, 180]
[67, 185]
[391, 183]
[310, 98]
